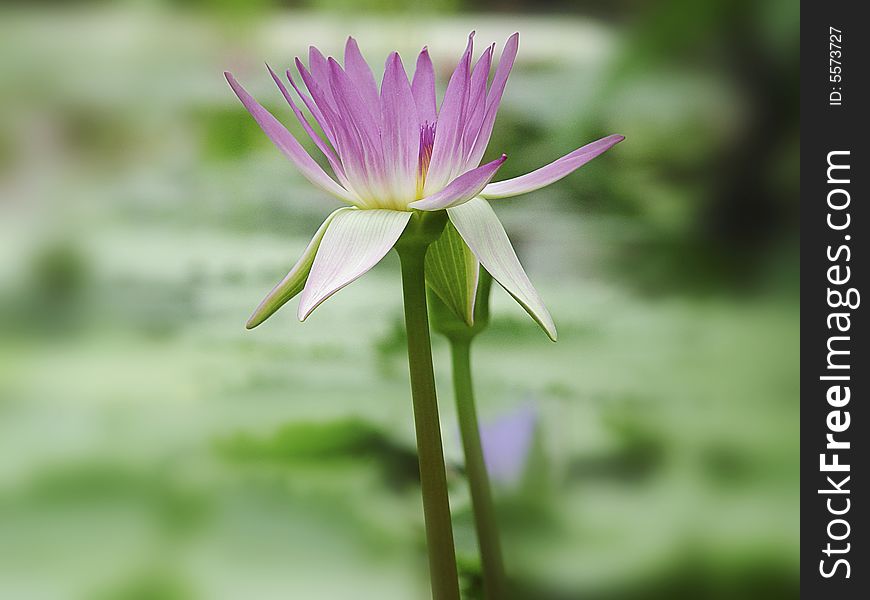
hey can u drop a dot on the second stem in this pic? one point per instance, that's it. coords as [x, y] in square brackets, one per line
[478, 479]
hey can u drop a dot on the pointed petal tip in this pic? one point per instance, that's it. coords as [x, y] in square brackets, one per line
[314, 54]
[609, 141]
[300, 68]
[308, 304]
[305, 308]
[462, 189]
[498, 162]
[294, 282]
[258, 317]
[303, 314]
[275, 76]
[545, 322]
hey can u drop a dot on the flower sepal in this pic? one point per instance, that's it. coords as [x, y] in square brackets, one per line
[452, 275]
[455, 327]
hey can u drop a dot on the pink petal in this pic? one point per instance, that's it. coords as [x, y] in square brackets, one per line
[552, 172]
[462, 189]
[401, 129]
[358, 121]
[477, 102]
[355, 241]
[346, 143]
[319, 68]
[360, 74]
[447, 151]
[493, 99]
[318, 141]
[288, 144]
[343, 136]
[423, 87]
[318, 115]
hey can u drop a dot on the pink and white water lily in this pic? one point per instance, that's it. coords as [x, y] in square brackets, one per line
[392, 151]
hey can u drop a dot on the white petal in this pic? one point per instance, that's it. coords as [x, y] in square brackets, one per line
[355, 241]
[478, 225]
[295, 280]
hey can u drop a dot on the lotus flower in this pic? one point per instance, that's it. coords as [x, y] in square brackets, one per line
[393, 152]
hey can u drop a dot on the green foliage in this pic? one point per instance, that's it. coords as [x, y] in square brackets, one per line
[346, 440]
[154, 584]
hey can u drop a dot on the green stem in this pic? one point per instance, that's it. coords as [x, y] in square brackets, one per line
[478, 479]
[433, 479]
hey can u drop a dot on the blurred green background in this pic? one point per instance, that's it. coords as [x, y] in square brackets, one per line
[151, 448]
